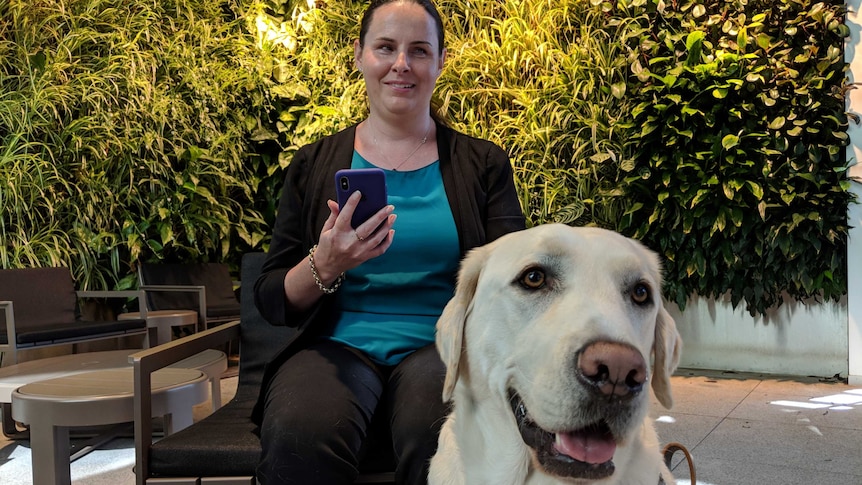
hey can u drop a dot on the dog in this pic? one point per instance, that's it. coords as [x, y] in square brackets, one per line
[551, 342]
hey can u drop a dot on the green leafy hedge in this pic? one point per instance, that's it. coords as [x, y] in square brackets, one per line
[739, 133]
[713, 131]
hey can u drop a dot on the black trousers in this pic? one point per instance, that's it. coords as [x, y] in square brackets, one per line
[319, 408]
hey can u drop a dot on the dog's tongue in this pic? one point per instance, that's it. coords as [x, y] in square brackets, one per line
[587, 446]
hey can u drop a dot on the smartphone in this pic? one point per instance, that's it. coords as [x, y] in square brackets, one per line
[371, 182]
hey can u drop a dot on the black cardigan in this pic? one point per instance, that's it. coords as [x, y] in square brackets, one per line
[477, 177]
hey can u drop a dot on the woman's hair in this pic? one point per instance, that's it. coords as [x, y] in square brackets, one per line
[426, 4]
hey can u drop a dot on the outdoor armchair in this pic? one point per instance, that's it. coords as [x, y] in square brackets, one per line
[223, 445]
[39, 307]
[205, 287]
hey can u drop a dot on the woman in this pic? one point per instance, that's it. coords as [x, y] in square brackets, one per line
[366, 300]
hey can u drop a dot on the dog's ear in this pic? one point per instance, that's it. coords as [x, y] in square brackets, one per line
[450, 325]
[666, 354]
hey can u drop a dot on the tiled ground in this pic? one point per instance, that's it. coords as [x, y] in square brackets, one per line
[742, 429]
[765, 430]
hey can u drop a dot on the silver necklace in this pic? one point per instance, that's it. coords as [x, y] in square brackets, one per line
[422, 142]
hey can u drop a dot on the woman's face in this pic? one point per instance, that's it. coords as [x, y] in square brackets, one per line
[400, 60]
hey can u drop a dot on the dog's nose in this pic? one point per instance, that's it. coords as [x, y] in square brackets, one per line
[613, 368]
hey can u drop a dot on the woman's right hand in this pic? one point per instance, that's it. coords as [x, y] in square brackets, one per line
[342, 248]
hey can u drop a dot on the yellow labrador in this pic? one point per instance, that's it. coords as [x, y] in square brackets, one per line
[551, 342]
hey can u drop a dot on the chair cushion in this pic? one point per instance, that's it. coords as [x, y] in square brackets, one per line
[255, 332]
[75, 331]
[225, 443]
[222, 444]
[229, 311]
[44, 304]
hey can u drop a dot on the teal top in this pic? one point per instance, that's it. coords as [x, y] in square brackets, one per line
[390, 304]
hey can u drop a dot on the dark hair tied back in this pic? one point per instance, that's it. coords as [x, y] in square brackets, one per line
[428, 5]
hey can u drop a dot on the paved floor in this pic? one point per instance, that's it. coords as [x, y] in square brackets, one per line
[757, 429]
[110, 464]
[742, 429]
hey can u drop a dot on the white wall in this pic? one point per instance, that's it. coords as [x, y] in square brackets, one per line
[854, 288]
[854, 153]
[796, 339]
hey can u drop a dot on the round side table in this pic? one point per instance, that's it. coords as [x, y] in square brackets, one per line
[163, 321]
[94, 398]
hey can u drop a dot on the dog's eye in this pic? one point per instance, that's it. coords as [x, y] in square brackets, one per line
[640, 293]
[533, 279]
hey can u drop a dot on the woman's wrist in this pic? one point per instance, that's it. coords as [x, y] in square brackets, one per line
[322, 283]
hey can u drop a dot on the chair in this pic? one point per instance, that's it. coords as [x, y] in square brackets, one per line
[224, 443]
[207, 287]
[40, 309]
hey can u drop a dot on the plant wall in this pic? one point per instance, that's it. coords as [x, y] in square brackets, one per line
[738, 135]
[713, 131]
[547, 81]
[124, 134]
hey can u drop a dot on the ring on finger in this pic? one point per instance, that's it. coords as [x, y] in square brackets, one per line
[358, 236]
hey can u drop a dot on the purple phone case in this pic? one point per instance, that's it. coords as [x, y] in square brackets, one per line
[371, 182]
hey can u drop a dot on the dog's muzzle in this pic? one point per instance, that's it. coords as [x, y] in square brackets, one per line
[614, 376]
[583, 453]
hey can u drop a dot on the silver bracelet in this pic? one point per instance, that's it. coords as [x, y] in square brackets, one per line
[323, 288]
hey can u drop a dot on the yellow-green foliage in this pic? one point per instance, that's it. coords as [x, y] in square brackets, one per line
[739, 134]
[124, 134]
[712, 130]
